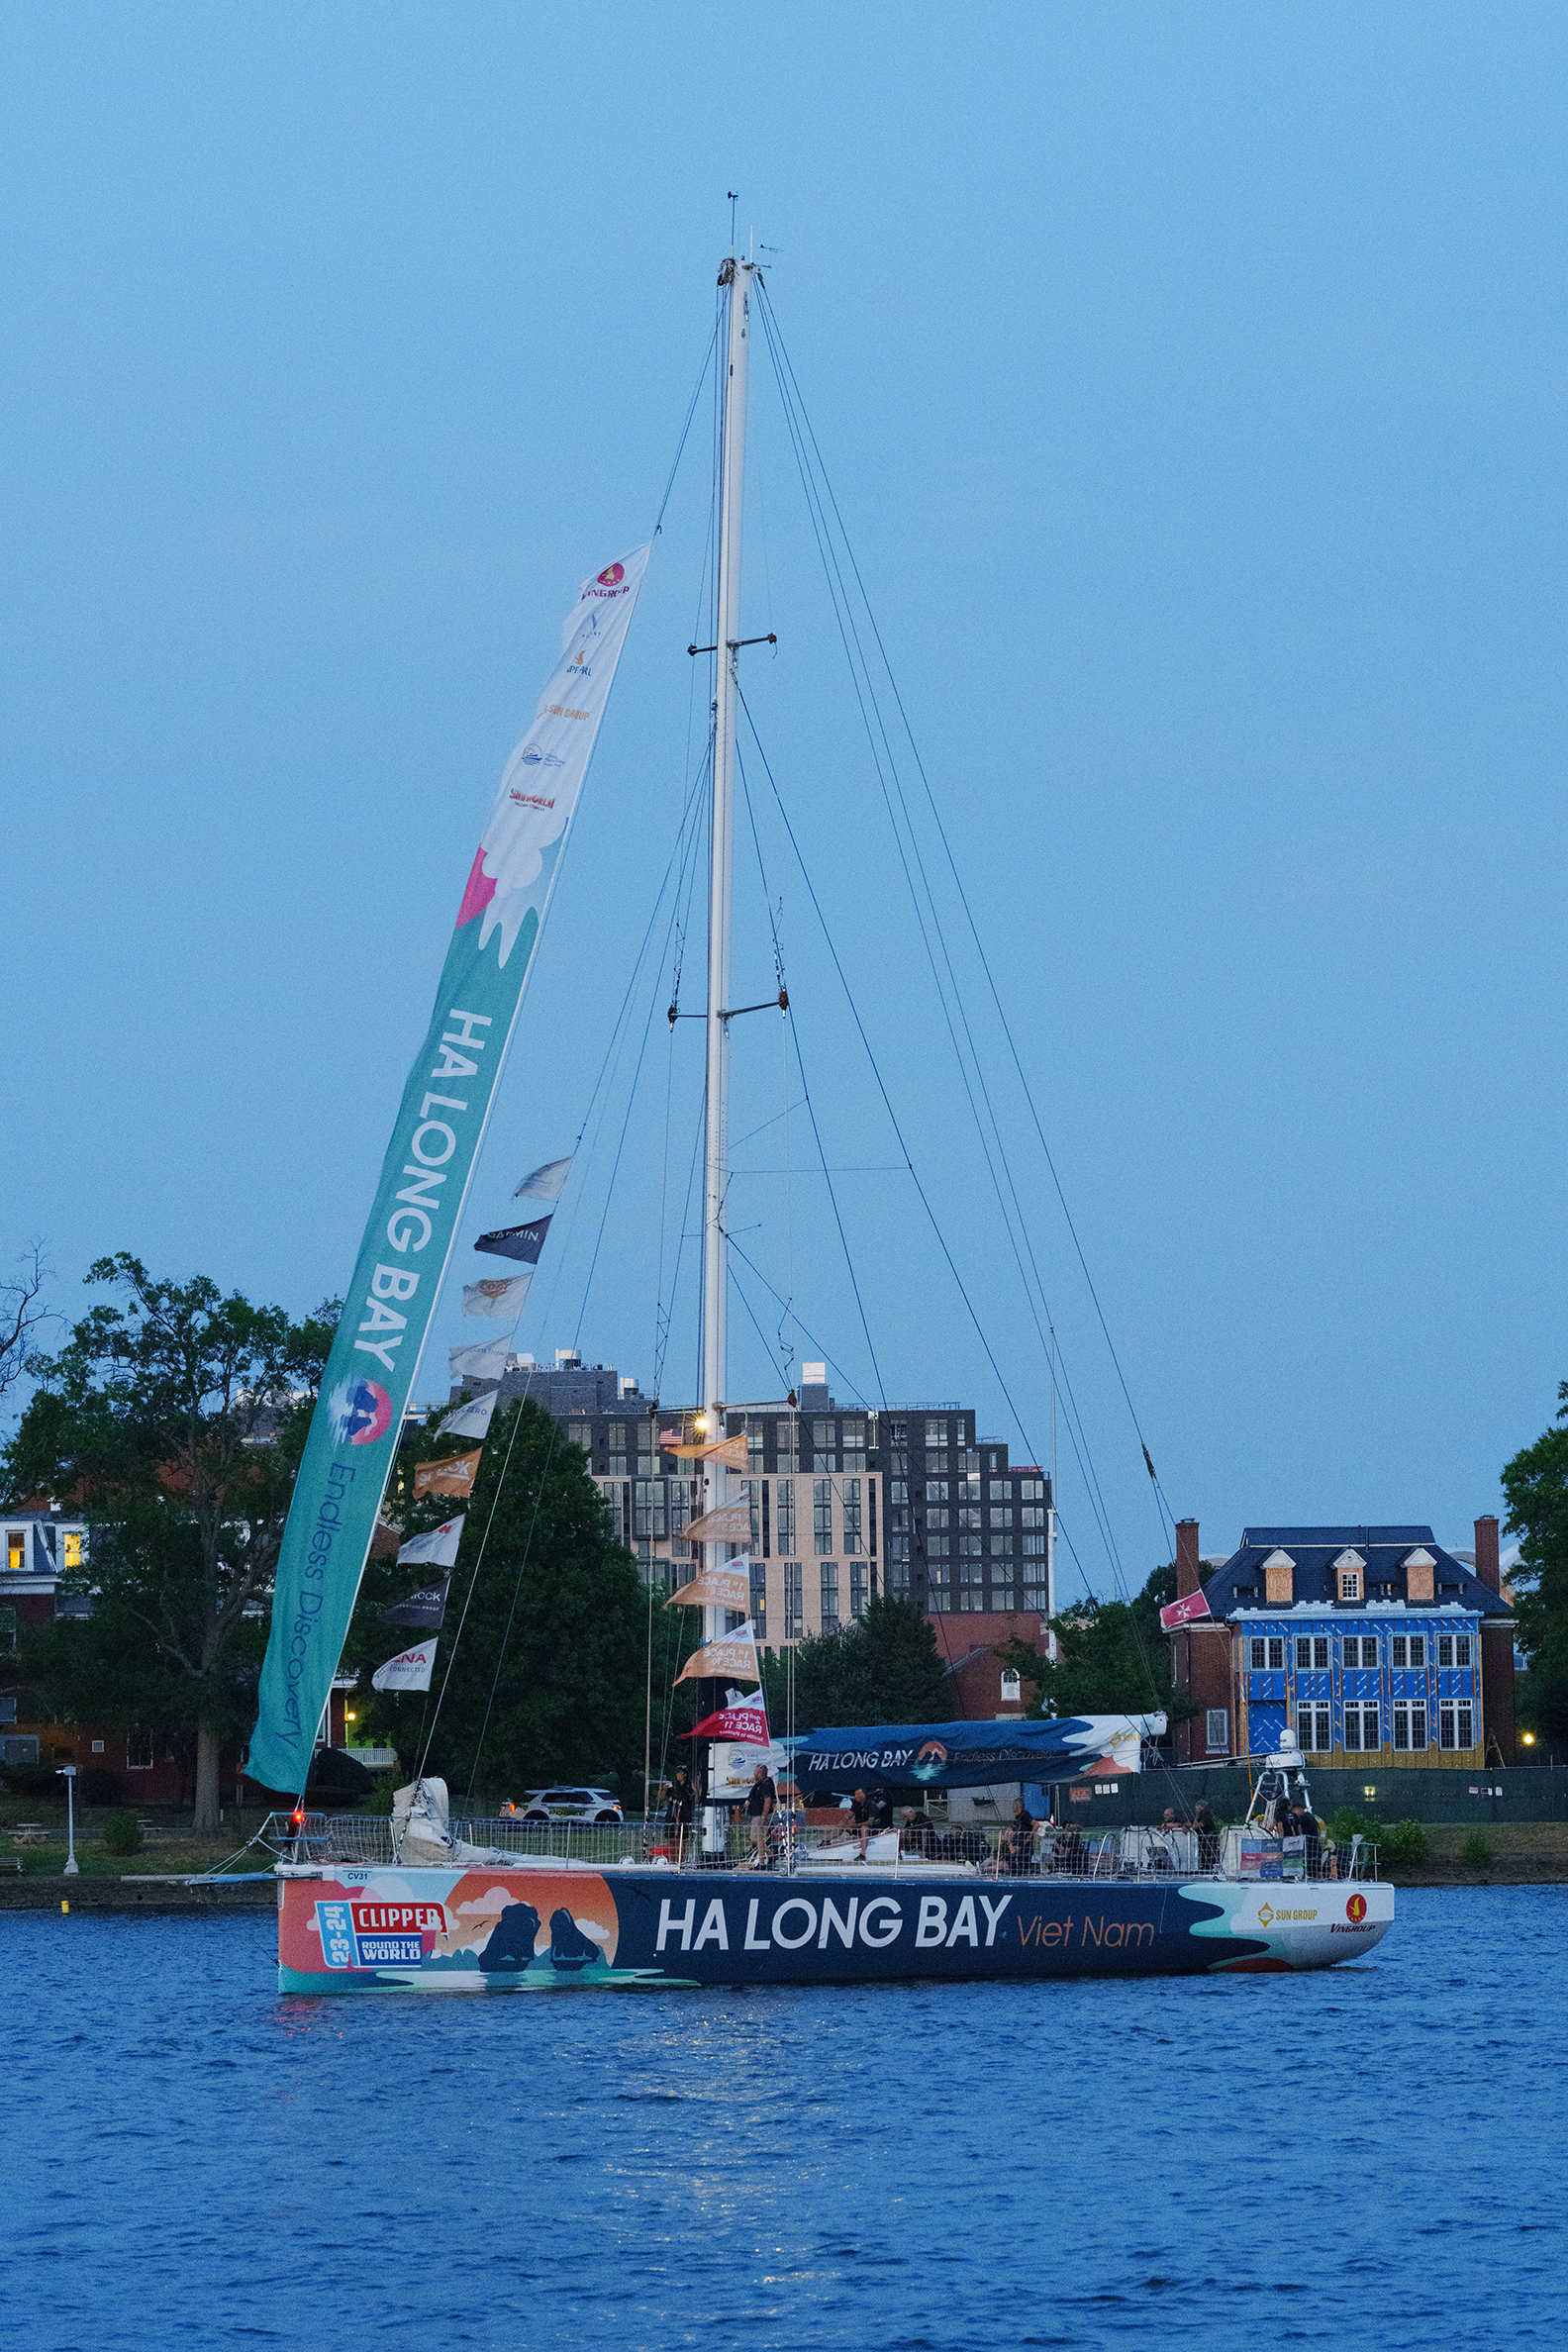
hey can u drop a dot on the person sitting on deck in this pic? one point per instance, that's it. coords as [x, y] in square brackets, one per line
[881, 1811]
[860, 1815]
[1018, 1842]
[919, 1834]
[1067, 1853]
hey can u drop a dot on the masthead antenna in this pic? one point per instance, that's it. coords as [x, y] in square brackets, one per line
[734, 195]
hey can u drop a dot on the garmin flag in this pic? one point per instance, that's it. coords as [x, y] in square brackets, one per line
[523, 1243]
[425, 1177]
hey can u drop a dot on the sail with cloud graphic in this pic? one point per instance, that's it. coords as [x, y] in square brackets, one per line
[425, 1177]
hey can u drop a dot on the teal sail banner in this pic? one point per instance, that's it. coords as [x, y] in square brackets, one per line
[425, 1178]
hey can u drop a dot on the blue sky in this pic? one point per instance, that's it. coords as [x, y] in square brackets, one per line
[1191, 381]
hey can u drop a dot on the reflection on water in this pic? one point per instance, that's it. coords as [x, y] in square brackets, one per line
[1372, 2153]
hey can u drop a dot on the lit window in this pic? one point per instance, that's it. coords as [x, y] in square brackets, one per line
[15, 1549]
[73, 1548]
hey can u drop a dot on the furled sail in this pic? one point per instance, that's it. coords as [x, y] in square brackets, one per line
[424, 1180]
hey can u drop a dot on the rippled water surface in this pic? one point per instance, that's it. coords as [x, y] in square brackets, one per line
[1372, 2155]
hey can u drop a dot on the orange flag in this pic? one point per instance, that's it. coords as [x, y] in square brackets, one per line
[732, 1452]
[454, 1475]
[731, 1659]
[731, 1523]
[720, 1588]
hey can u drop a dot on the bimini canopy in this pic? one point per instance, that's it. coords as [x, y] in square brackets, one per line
[970, 1755]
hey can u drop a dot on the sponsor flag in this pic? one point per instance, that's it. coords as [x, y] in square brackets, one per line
[422, 1610]
[437, 1549]
[501, 1299]
[728, 1587]
[409, 1670]
[544, 1184]
[733, 1657]
[523, 1243]
[425, 1177]
[745, 1721]
[729, 1523]
[487, 1361]
[1182, 1612]
[470, 1420]
[454, 1475]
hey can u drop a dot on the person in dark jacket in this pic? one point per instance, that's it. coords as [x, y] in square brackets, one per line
[1207, 1829]
[919, 1835]
[860, 1815]
[1304, 1822]
[881, 1811]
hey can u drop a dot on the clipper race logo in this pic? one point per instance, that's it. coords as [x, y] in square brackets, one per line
[360, 1411]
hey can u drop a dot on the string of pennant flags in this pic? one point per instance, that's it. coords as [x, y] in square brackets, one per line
[730, 1659]
[499, 1298]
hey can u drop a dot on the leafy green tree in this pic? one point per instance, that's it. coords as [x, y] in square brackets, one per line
[1112, 1658]
[174, 1422]
[881, 1668]
[552, 1673]
[1535, 1483]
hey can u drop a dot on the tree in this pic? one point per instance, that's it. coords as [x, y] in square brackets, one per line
[1112, 1658]
[22, 1312]
[174, 1424]
[882, 1668]
[1535, 1483]
[549, 1679]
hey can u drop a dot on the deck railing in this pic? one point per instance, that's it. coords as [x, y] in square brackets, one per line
[365, 1842]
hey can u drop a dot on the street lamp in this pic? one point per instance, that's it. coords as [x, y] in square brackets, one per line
[67, 1772]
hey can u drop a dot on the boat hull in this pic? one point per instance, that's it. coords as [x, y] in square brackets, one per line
[346, 1929]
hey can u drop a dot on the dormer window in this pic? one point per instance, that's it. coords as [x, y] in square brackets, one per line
[1348, 1568]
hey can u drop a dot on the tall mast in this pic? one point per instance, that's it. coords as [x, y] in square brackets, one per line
[737, 275]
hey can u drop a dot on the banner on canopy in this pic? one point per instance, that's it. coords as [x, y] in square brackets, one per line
[425, 1177]
[972, 1755]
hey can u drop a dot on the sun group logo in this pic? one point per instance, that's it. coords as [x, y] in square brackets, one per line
[612, 575]
[1355, 1909]
[359, 1412]
[1264, 1915]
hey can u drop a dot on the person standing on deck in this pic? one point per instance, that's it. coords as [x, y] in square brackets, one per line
[761, 1798]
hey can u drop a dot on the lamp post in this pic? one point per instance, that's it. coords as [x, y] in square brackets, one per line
[67, 1772]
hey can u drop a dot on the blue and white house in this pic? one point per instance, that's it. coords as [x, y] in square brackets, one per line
[1371, 1644]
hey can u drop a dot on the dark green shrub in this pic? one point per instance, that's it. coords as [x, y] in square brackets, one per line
[1347, 1823]
[34, 1780]
[1401, 1845]
[1478, 1850]
[383, 1791]
[121, 1835]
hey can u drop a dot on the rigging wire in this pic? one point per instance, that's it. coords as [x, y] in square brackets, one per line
[785, 367]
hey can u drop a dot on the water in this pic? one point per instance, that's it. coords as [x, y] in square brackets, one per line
[1373, 2154]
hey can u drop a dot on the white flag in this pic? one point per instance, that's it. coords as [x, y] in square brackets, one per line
[469, 1420]
[501, 1299]
[409, 1670]
[437, 1549]
[486, 1361]
[544, 1184]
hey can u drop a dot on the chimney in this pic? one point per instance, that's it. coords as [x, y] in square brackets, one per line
[1486, 1551]
[1188, 1568]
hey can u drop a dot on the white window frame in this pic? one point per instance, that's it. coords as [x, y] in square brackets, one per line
[1216, 1731]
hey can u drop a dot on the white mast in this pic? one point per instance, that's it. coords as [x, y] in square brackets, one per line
[716, 1481]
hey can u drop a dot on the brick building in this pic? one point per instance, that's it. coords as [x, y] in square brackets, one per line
[1374, 1646]
[845, 1503]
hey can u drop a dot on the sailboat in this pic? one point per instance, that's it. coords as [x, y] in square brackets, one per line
[416, 1905]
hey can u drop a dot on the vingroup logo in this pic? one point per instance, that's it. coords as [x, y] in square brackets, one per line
[1355, 1909]
[359, 1412]
[612, 575]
